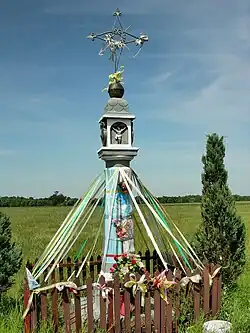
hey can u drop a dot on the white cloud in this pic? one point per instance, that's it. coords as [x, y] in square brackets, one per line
[224, 102]
[159, 79]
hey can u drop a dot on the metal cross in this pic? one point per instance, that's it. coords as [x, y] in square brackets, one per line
[117, 39]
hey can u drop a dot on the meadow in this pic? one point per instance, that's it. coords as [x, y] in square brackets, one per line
[34, 227]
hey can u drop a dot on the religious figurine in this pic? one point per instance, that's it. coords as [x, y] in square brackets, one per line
[103, 133]
[119, 131]
[132, 132]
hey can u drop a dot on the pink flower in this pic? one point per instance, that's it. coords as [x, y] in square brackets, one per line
[112, 270]
[133, 262]
[116, 257]
[115, 266]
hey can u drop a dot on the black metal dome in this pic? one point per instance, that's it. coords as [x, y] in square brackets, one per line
[116, 90]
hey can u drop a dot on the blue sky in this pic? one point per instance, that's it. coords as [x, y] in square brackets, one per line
[192, 78]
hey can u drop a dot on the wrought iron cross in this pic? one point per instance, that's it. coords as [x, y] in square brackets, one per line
[117, 39]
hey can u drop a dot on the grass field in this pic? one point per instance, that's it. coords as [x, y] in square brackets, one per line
[34, 227]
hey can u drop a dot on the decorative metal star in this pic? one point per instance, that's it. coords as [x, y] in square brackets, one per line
[117, 39]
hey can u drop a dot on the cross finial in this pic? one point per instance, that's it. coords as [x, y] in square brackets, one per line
[117, 39]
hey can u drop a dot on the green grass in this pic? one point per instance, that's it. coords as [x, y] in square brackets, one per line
[34, 227]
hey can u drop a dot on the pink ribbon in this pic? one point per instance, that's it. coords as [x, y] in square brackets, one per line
[104, 289]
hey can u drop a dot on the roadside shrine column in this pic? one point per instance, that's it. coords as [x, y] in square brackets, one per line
[117, 136]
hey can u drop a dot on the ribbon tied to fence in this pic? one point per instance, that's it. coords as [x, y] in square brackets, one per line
[197, 278]
[105, 290]
[137, 286]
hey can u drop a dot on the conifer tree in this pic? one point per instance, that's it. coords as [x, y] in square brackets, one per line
[10, 255]
[221, 237]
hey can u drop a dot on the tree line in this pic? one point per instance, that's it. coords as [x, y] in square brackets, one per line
[59, 199]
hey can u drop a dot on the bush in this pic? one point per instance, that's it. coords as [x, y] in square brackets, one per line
[10, 255]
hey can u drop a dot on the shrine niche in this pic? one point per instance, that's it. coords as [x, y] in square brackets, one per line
[119, 133]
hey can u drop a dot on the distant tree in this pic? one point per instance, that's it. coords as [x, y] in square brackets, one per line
[221, 238]
[10, 255]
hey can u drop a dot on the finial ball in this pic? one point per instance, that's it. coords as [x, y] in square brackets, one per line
[116, 90]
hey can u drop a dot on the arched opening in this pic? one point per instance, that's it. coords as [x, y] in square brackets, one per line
[119, 133]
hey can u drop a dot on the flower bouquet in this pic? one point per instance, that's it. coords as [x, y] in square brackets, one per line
[116, 77]
[139, 278]
[127, 263]
[124, 228]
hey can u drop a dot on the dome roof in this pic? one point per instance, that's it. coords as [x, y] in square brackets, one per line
[116, 105]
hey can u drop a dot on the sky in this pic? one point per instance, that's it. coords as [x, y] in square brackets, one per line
[192, 78]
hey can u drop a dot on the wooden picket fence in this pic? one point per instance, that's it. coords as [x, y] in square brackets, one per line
[67, 309]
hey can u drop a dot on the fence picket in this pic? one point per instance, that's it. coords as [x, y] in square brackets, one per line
[61, 275]
[177, 299]
[157, 311]
[148, 320]
[170, 305]
[196, 291]
[147, 260]
[92, 268]
[78, 314]
[117, 303]
[138, 312]
[214, 305]
[103, 305]
[206, 291]
[127, 307]
[54, 303]
[84, 273]
[70, 265]
[163, 315]
[27, 320]
[219, 292]
[90, 305]
[99, 264]
[66, 310]
[111, 312]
